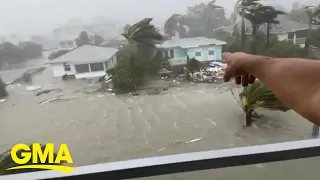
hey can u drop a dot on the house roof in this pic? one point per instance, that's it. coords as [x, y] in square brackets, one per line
[286, 25]
[85, 54]
[191, 42]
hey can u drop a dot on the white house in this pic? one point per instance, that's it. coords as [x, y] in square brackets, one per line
[85, 62]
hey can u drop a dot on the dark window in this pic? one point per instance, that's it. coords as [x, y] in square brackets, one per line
[67, 67]
[302, 33]
[96, 67]
[106, 65]
[70, 43]
[63, 44]
[198, 53]
[290, 35]
[82, 68]
[211, 52]
[171, 53]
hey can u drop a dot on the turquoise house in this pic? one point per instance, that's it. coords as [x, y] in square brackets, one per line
[201, 48]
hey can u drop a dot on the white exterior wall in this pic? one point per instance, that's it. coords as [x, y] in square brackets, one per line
[90, 74]
[58, 69]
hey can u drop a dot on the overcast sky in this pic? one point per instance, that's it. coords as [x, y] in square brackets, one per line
[27, 17]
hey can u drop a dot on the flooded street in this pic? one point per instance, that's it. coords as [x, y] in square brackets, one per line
[100, 128]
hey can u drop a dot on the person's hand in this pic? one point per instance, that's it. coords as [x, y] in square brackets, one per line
[237, 67]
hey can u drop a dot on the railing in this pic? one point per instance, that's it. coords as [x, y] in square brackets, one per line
[184, 162]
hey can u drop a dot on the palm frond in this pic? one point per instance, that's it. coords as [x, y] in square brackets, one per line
[258, 95]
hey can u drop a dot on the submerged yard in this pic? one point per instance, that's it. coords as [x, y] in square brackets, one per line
[101, 128]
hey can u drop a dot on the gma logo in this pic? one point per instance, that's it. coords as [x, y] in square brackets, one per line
[37, 158]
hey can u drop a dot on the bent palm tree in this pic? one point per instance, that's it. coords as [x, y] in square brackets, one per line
[258, 96]
[7, 162]
[240, 8]
[143, 32]
[270, 17]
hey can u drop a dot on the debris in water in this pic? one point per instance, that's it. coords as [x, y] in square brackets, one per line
[59, 98]
[46, 91]
[3, 100]
[33, 88]
[193, 140]
[159, 150]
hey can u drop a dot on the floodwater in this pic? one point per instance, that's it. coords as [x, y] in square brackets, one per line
[100, 128]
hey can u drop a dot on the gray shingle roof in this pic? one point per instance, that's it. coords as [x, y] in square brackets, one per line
[86, 53]
[191, 42]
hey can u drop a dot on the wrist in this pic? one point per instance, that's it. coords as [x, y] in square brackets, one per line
[257, 64]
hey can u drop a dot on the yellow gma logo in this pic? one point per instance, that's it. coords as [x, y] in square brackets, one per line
[37, 158]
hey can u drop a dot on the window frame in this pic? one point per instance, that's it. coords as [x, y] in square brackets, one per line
[211, 50]
[94, 70]
[195, 53]
[76, 65]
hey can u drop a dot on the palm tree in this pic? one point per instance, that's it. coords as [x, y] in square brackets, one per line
[256, 17]
[144, 33]
[172, 26]
[313, 13]
[258, 96]
[7, 162]
[3, 91]
[240, 8]
[269, 17]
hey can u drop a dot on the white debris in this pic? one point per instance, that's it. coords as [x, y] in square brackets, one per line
[159, 150]
[193, 140]
[3, 100]
[33, 88]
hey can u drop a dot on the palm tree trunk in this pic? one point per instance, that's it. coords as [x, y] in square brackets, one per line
[243, 33]
[253, 43]
[268, 35]
[307, 43]
[248, 118]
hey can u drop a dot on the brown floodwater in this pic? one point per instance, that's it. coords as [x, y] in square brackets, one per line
[100, 128]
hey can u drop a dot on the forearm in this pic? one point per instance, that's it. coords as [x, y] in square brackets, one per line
[295, 81]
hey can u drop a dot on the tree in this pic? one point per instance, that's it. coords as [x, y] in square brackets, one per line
[255, 14]
[240, 8]
[172, 26]
[144, 33]
[3, 91]
[258, 96]
[7, 162]
[269, 17]
[313, 13]
[83, 39]
[57, 54]
[98, 40]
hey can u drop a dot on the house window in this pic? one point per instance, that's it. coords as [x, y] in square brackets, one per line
[96, 67]
[211, 52]
[198, 53]
[106, 65]
[82, 68]
[290, 35]
[66, 67]
[70, 43]
[63, 44]
[171, 53]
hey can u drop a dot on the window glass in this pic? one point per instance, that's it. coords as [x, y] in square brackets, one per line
[211, 52]
[67, 67]
[96, 67]
[197, 54]
[82, 68]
